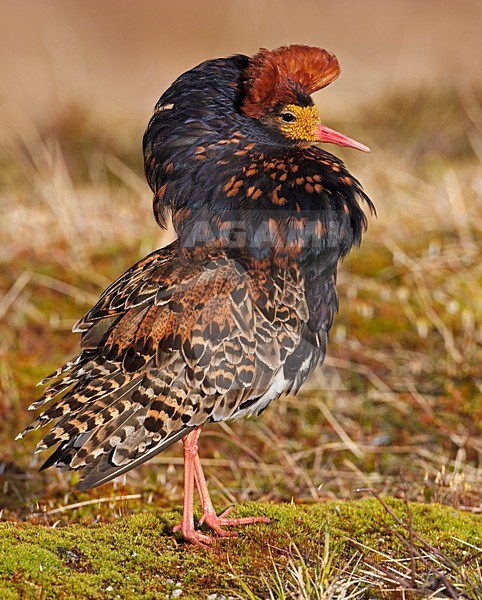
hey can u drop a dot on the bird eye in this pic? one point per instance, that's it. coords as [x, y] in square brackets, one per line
[288, 117]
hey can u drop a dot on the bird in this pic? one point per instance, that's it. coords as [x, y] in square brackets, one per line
[237, 310]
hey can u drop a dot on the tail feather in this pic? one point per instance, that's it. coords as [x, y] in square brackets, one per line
[103, 470]
[89, 416]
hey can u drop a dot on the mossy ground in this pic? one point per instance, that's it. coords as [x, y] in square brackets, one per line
[137, 556]
[395, 408]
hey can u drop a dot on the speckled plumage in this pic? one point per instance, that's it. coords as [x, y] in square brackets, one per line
[237, 310]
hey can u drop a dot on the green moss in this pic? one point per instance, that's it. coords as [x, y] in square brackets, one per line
[138, 556]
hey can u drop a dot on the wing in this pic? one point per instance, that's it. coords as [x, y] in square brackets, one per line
[168, 347]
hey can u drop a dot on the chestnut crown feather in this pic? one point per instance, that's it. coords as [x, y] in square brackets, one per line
[276, 76]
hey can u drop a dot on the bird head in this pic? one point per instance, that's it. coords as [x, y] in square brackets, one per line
[277, 91]
[231, 151]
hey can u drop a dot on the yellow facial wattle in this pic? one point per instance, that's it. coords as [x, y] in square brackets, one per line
[304, 125]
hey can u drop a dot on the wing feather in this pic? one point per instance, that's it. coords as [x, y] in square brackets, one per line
[168, 347]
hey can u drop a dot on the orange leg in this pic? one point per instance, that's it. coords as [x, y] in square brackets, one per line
[209, 514]
[193, 473]
[187, 523]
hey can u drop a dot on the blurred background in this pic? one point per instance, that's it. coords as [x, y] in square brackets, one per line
[397, 406]
[115, 57]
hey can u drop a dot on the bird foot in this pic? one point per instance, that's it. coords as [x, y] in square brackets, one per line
[195, 537]
[217, 524]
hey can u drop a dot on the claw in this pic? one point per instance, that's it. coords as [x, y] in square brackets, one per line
[196, 537]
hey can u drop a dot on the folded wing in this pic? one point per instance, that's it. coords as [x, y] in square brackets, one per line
[168, 347]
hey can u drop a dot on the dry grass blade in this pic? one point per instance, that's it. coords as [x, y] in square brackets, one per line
[75, 505]
[13, 293]
[429, 572]
[67, 289]
[302, 578]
